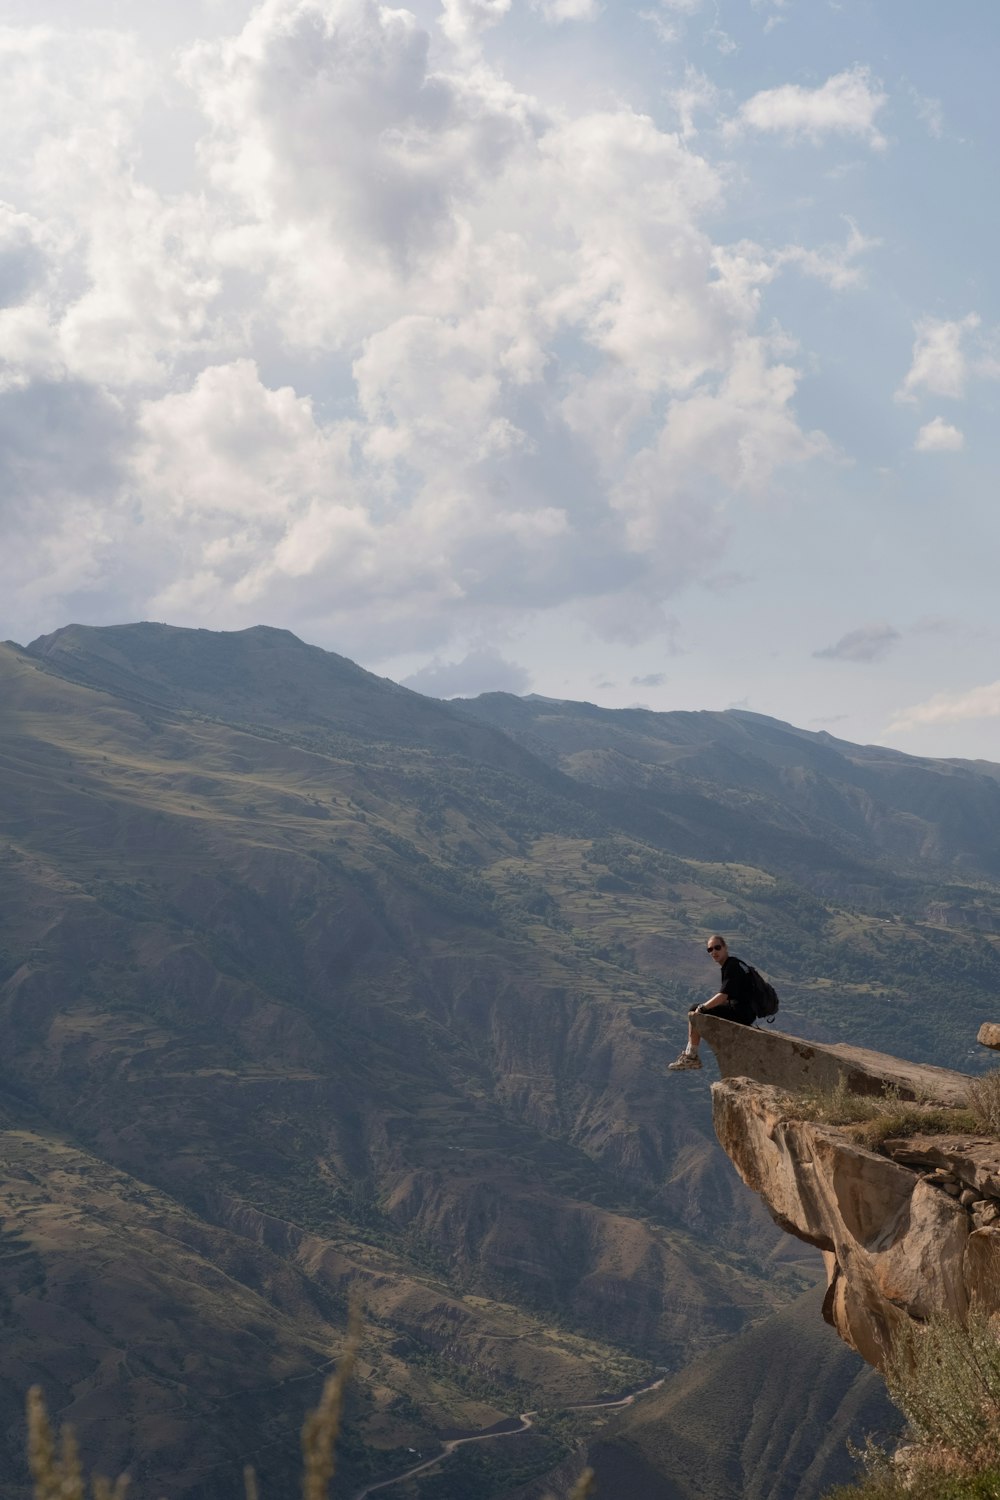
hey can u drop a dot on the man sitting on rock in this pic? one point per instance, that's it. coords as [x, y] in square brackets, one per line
[734, 1002]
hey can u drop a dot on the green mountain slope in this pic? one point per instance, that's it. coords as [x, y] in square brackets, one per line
[860, 879]
[761, 785]
[297, 990]
[383, 999]
[119, 1302]
[266, 678]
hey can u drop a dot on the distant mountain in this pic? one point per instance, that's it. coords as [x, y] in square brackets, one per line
[761, 788]
[262, 677]
[328, 985]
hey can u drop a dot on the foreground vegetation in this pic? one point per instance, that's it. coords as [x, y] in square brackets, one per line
[945, 1378]
[984, 1099]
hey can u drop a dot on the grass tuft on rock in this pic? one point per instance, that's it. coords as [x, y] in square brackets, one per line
[873, 1118]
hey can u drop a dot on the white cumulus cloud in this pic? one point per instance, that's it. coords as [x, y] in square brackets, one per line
[939, 436]
[847, 105]
[483, 670]
[408, 352]
[837, 265]
[556, 11]
[940, 362]
[463, 20]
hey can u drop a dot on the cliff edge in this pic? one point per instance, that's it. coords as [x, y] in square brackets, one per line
[907, 1230]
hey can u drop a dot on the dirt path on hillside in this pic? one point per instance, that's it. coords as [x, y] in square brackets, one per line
[526, 1420]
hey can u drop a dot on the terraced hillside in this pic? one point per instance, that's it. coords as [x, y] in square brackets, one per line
[864, 879]
[310, 983]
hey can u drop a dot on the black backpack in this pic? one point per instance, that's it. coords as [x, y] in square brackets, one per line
[763, 997]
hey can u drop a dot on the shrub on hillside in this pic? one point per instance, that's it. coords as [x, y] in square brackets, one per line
[984, 1099]
[945, 1379]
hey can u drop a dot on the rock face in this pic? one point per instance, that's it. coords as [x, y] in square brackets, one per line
[907, 1231]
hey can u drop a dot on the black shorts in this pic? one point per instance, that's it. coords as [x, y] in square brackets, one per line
[730, 1013]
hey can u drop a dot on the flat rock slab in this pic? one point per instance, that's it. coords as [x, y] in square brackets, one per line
[772, 1057]
[975, 1160]
[989, 1034]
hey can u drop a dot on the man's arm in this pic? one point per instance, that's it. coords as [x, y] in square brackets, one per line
[714, 1003]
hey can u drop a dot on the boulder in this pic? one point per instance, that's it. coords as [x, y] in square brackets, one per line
[989, 1034]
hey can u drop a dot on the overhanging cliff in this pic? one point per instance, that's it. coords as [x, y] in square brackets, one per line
[906, 1231]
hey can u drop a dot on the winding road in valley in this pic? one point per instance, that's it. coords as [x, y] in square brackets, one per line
[526, 1420]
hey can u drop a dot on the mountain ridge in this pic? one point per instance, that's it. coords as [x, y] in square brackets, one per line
[871, 801]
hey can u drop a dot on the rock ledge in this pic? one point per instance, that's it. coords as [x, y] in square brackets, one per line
[907, 1231]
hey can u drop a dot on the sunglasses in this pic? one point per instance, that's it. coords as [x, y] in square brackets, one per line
[715, 947]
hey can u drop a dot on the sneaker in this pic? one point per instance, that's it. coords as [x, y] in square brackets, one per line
[686, 1060]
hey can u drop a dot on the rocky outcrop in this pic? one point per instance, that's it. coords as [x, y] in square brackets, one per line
[769, 1056]
[906, 1231]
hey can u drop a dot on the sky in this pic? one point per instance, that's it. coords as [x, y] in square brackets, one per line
[643, 353]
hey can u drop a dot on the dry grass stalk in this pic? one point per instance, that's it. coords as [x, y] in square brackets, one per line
[321, 1427]
[56, 1471]
[984, 1097]
[105, 1490]
[584, 1487]
[41, 1448]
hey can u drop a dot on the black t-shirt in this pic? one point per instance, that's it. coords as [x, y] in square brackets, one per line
[737, 986]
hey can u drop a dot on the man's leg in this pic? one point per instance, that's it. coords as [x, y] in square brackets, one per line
[689, 1057]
